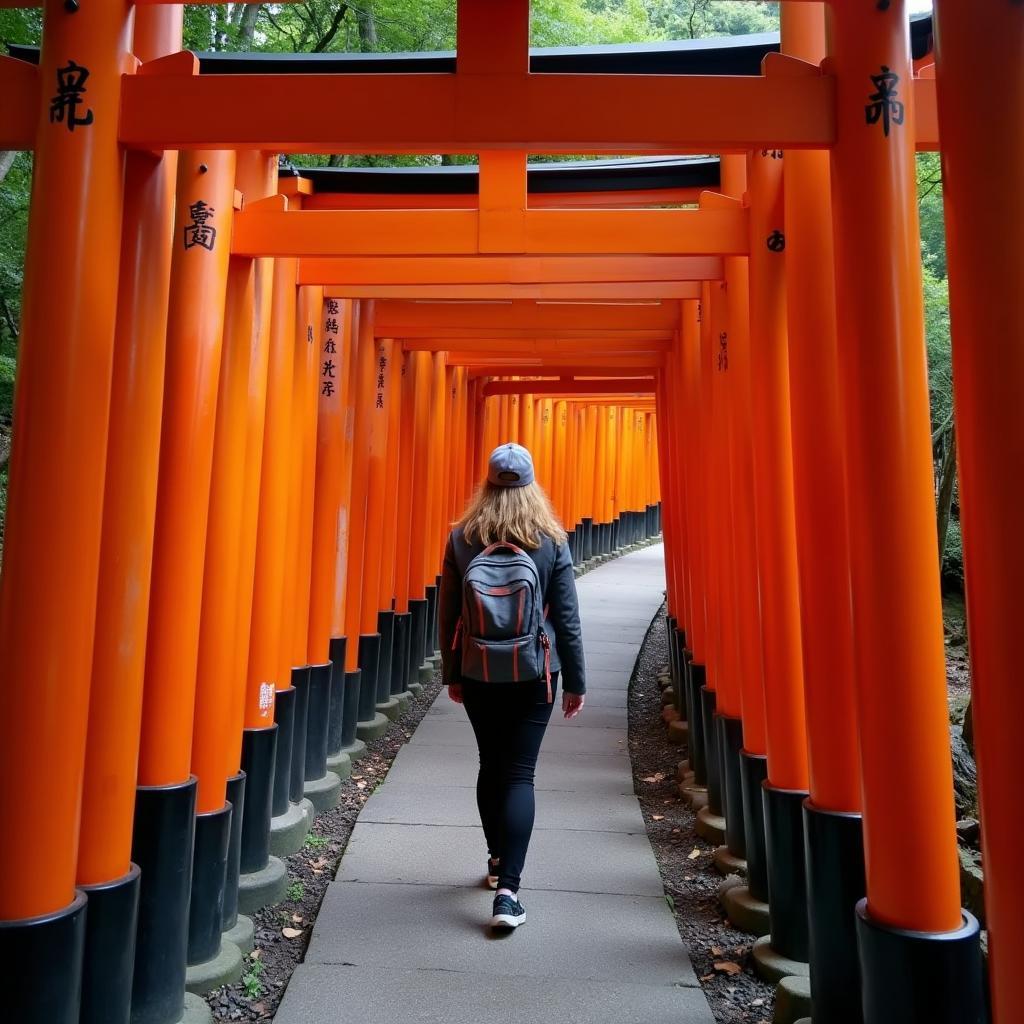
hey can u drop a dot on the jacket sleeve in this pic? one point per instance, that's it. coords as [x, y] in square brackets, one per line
[564, 612]
[448, 609]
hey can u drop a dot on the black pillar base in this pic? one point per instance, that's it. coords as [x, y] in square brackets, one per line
[318, 715]
[369, 659]
[109, 963]
[920, 977]
[336, 715]
[400, 654]
[588, 539]
[42, 961]
[430, 625]
[209, 866]
[671, 624]
[577, 551]
[352, 685]
[284, 717]
[730, 743]
[235, 797]
[435, 632]
[787, 877]
[677, 639]
[712, 758]
[386, 629]
[297, 775]
[570, 540]
[696, 680]
[259, 754]
[753, 772]
[417, 636]
[162, 847]
[834, 847]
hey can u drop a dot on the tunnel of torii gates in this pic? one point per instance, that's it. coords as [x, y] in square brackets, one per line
[251, 400]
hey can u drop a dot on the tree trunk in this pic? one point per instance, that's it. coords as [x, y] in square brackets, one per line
[247, 26]
[367, 28]
[7, 158]
[12, 324]
[947, 480]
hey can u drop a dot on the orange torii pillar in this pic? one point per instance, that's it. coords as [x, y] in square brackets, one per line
[220, 679]
[293, 812]
[735, 735]
[436, 528]
[979, 145]
[382, 508]
[257, 176]
[396, 695]
[325, 763]
[263, 876]
[166, 799]
[588, 463]
[406, 394]
[920, 955]
[420, 369]
[105, 872]
[344, 652]
[369, 452]
[721, 694]
[669, 404]
[773, 762]
[832, 823]
[688, 444]
[48, 588]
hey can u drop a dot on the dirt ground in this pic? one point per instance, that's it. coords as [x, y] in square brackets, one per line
[720, 954]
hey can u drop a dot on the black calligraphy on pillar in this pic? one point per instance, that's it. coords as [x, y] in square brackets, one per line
[774, 154]
[200, 232]
[776, 241]
[65, 106]
[309, 333]
[723, 351]
[382, 365]
[883, 105]
[328, 387]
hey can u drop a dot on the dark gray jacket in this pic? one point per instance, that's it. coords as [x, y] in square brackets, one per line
[558, 584]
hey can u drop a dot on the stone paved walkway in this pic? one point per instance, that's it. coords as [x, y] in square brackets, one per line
[401, 937]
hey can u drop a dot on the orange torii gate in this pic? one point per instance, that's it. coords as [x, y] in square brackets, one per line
[766, 384]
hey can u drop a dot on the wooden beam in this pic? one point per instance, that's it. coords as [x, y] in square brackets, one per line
[506, 270]
[564, 388]
[470, 112]
[402, 319]
[270, 231]
[608, 291]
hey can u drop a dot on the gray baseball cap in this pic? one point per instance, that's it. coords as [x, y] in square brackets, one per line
[510, 465]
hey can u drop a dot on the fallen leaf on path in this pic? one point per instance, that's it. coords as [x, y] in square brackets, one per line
[656, 777]
[727, 967]
[694, 854]
[297, 918]
[717, 951]
[291, 933]
[657, 817]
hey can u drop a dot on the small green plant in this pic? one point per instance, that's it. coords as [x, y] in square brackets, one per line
[251, 979]
[296, 891]
[315, 842]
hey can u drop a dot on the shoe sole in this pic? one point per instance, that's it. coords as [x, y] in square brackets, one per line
[507, 921]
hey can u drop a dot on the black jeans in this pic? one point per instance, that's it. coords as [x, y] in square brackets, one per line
[509, 720]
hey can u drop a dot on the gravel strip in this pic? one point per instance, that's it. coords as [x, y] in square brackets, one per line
[720, 954]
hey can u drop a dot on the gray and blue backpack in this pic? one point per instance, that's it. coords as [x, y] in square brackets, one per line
[501, 628]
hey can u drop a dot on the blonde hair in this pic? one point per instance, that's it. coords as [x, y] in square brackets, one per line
[522, 514]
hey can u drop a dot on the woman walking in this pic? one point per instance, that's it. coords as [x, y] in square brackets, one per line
[509, 628]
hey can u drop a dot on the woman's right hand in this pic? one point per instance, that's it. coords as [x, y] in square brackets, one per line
[572, 704]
